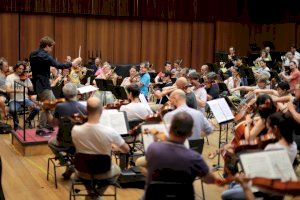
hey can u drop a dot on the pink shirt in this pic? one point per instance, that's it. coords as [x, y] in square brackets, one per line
[295, 79]
[99, 72]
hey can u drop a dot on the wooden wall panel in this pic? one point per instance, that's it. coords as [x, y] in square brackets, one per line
[282, 35]
[297, 38]
[179, 42]
[9, 37]
[232, 34]
[154, 43]
[32, 29]
[127, 41]
[202, 44]
[100, 38]
[70, 33]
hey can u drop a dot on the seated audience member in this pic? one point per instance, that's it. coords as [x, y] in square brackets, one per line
[199, 90]
[62, 142]
[294, 77]
[201, 124]
[134, 77]
[15, 104]
[135, 110]
[171, 161]
[95, 138]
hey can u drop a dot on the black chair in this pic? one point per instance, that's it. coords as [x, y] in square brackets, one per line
[92, 164]
[170, 184]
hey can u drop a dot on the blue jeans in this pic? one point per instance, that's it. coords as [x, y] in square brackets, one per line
[235, 192]
[13, 110]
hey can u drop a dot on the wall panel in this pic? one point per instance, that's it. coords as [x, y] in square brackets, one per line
[232, 34]
[70, 33]
[154, 43]
[202, 44]
[179, 42]
[9, 37]
[127, 41]
[100, 38]
[32, 29]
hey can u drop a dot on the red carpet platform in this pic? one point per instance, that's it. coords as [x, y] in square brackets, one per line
[33, 144]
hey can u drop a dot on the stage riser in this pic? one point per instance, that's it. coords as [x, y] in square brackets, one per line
[30, 150]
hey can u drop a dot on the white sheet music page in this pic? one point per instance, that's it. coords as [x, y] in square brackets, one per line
[269, 164]
[114, 119]
[86, 89]
[220, 110]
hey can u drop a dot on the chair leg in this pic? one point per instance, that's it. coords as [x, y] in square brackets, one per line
[48, 169]
[202, 187]
[55, 180]
[207, 140]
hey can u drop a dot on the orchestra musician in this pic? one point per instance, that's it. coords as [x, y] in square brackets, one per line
[145, 79]
[294, 77]
[171, 161]
[41, 61]
[3, 95]
[134, 77]
[95, 138]
[178, 98]
[62, 142]
[97, 67]
[159, 93]
[176, 68]
[16, 103]
[108, 73]
[199, 90]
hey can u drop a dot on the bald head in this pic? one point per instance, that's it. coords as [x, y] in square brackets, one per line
[178, 97]
[94, 106]
[181, 83]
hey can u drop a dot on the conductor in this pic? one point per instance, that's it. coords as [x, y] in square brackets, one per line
[41, 61]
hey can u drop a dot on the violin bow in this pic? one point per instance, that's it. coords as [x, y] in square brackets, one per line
[79, 51]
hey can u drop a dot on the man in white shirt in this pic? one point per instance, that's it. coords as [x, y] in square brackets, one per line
[201, 124]
[95, 138]
[15, 104]
[135, 110]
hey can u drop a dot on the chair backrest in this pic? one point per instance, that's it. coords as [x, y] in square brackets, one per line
[169, 190]
[92, 163]
[1, 190]
[64, 131]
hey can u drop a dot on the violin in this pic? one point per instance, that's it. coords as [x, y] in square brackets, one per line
[78, 119]
[50, 104]
[257, 143]
[167, 107]
[155, 118]
[116, 105]
[272, 185]
[25, 75]
[158, 136]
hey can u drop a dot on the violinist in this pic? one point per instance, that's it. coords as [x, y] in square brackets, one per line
[145, 79]
[294, 77]
[212, 88]
[3, 95]
[76, 74]
[233, 82]
[283, 126]
[15, 104]
[63, 141]
[176, 68]
[159, 76]
[41, 61]
[108, 74]
[201, 125]
[160, 93]
[171, 161]
[134, 77]
[198, 90]
[56, 79]
[135, 110]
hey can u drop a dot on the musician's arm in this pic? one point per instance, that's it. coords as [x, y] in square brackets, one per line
[56, 81]
[284, 98]
[266, 91]
[285, 77]
[252, 133]
[293, 112]
[243, 88]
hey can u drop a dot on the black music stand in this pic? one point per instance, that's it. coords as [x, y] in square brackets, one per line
[224, 116]
[119, 91]
[104, 85]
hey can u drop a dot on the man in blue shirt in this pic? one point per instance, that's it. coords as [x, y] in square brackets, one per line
[40, 62]
[144, 80]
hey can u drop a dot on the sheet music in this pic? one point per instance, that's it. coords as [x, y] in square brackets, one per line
[148, 138]
[86, 89]
[220, 110]
[114, 119]
[144, 101]
[269, 164]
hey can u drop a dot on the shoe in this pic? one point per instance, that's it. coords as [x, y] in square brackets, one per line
[43, 132]
[50, 128]
[68, 173]
[28, 124]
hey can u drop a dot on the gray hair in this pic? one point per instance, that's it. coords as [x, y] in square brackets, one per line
[70, 90]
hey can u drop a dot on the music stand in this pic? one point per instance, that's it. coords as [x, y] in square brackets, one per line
[119, 91]
[104, 85]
